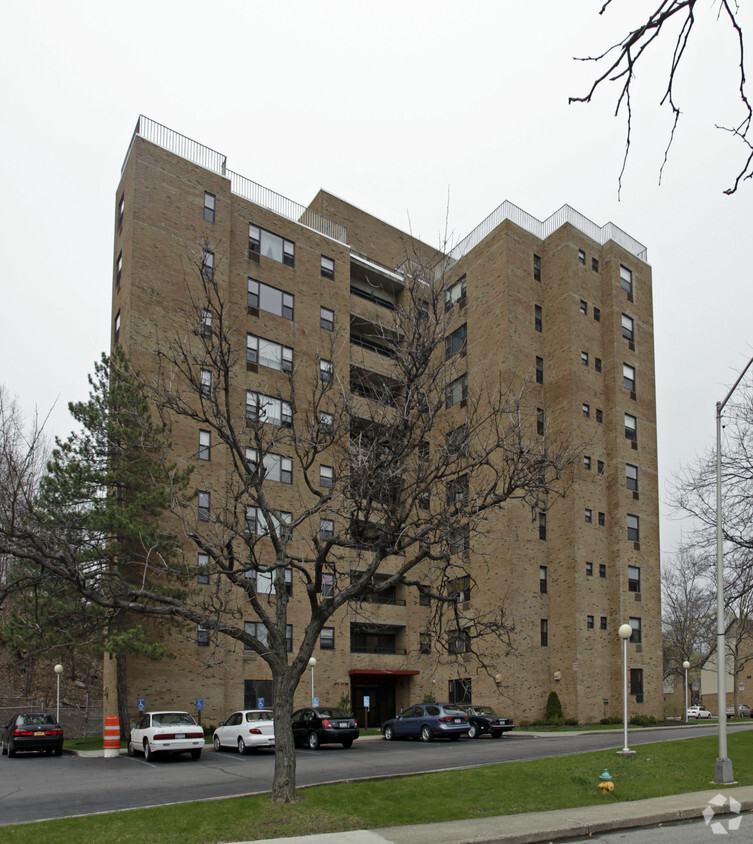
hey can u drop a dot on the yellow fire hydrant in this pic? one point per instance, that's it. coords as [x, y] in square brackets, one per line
[606, 785]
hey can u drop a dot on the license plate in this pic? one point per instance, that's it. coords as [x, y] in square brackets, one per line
[39, 732]
[458, 721]
[180, 735]
[343, 724]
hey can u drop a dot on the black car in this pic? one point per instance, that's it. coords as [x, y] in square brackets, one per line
[485, 721]
[325, 725]
[32, 731]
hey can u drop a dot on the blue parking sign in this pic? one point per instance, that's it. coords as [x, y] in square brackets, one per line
[260, 702]
[141, 704]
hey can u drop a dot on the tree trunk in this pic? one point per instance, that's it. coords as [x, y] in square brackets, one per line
[122, 693]
[283, 784]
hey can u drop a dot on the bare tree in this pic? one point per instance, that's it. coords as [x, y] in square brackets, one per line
[672, 22]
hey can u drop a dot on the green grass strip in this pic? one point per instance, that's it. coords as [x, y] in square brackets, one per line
[658, 770]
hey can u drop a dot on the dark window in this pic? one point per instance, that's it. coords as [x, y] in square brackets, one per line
[256, 691]
[328, 268]
[589, 569]
[586, 462]
[603, 623]
[424, 643]
[602, 570]
[627, 327]
[204, 506]
[202, 561]
[599, 467]
[459, 691]
[456, 342]
[457, 489]
[595, 264]
[542, 525]
[119, 269]
[210, 201]
[634, 579]
[202, 636]
[597, 314]
[460, 541]
[589, 515]
[457, 391]
[539, 370]
[121, 210]
[205, 445]
[327, 639]
[597, 364]
[459, 642]
[599, 416]
[583, 306]
[631, 477]
[116, 330]
[589, 622]
[537, 267]
[544, 628]
[633, 530]
[543, 582]
[602, 519]
[327, 319]
[631, 431]
[270, 245]
[538, 318]
[626, 280]
[540, 422]
[636, 683]
[459, 589]
[636, 636]
[207, 265]
[581, 257]
[628, 377]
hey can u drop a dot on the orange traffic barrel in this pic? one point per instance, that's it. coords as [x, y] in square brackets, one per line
[112, 736]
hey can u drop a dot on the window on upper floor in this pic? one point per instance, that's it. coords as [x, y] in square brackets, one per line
[633, 528]
[539, 370]
[264, 583]
[628, 377]
[634, 579]
[588, 515]
[583, 306]
[267, 353]
[327, 319]
[597, 364]
[603, 623]
[636, 684]
[210, 202]
[327, 268]
[460, 540]
[326, 421]
[602, 519]
[585, 410]
[326, 529]
[121, 210]
[326, 371]
[424, 643]
[540, 421]
[458, 642]
[542, 525]
[544, 632]
[205, 323]
[602, 570]
[459, 589]
[457, 489]
[537, 268]
[586, 462]
[456, 342]
[205, 445]
[589, 569]
[581, 257]
[261, 408]
[456, 391]
[202, 564]
[204, 505]
[327, 639]
[543, 580]
[584, 358]
[276, 467]
[257, 525]
[118, 269]
[262, 242]
[599, 416]
[595, 264]
[326, 476]
[627, 327]
[631, 477]
[455, 293]
[538, 318]
[589, 622]
[455, 440]
[597, 314]
[631, 428]
[270, 299]
[636, 636]
[207, 265]
[202, 636]
[116, 328]
[626, 280]
[599, 467]
[205, 381]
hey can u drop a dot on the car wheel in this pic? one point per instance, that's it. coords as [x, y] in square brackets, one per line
[217, 743]
[196, 754]
[131, 751]
[426, 733]
[497, 734]
[389, 734]
[348, 744]
[473, 731]
[58, 751]
[3, 751]
[148, 752]
[11, 750]
[313, 741]
[241, 746]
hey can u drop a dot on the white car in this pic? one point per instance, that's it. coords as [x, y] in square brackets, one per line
[246, 729]
[698, 712]
[166, 732]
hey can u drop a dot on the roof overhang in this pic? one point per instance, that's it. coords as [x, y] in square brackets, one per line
[379, 672]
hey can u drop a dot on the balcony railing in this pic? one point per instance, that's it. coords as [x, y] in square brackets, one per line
[385, 352]
[375, 649]
[371, 297]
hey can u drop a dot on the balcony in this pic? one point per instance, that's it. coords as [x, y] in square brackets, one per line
[376, 639]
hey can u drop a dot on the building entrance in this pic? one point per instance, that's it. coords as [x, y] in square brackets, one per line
[380, 689]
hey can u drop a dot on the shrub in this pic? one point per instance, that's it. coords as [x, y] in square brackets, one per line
[344, 703]
[429, 698]
[642, 720]
[570, 722]
[553, 709]
[610, 720]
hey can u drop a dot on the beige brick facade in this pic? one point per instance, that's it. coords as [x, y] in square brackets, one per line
[573, 274]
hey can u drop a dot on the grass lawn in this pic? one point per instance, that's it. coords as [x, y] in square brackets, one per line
[659, 769]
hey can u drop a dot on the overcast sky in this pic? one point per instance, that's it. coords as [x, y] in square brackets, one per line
[393, 106]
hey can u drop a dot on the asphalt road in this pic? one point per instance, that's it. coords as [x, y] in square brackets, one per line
[36, 787]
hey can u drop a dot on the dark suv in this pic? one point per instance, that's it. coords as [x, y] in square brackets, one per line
[427, 721]
[324, 725]
[485, 721]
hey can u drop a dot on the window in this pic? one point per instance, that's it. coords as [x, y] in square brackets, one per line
[584, 358]
[597, 364]
[588, 515]
[586, 410]
[457, 489]
[540, 421]
[258, 631]
[456, 342]
[459, 589]
[119, 269]
[454, 294]
[326, 529]
[328, 585]
[456, 441]
[457, 391]
[602, 570]
[264, 584]
[327, 639]
[538, 318]
[460, 541]
[459, 642]
[424, 643]
[204, 506]
[539, 370]
[634, 579]
[597, 314]
[207, 265]
[210, 202]
[583, 306]
[599, 416]
[326, 421]
[589, 569]
[289, 638]
[542, 525]
[270, 299]
[636, 684]
[544, 632]
[202, 562]
[602, 519]
[631, 477]
[599, 467]
[589, 622]
[202, 636]
[460, 691]
[543, 582]
[603, 623]
[635, 636]
[586, 462]
[205, 379]
[626, 280]
[270, 245]
[328, 268]
[627, 327]
[256, 524]
[581, 257]
[326, 476]
[633, 528]
[205, 445]
[205, 324]
[326, 371]
[116, 329]
[628, 377]
[327, 319]
[631, 430]
[276, 467]
[537, 268]
[595, 264]
[121, 210]
[261, 408]
[269, 354]
[424, 600]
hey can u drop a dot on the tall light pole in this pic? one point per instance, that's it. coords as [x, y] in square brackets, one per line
[723, 767]
[312, 663]
[625, 631]
[58, 671]
[686, 665]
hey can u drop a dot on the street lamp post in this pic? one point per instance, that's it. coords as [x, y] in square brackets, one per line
[625, 631]
[686, 665]
[312, 663]
[723, 767]
[58, 671]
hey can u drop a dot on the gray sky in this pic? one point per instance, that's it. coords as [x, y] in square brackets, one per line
[393, 106]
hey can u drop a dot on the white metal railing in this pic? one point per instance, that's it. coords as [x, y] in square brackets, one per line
[508, 211]
[216, 162]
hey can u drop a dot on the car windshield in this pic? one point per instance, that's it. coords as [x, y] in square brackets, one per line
[484, 710]
[34, 718]
[454, 710]
[333, 712]
[172, 719]
[258, 716]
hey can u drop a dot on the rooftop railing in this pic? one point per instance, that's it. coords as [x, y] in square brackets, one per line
[216, 162]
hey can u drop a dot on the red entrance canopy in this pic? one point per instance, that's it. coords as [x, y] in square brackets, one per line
[377, 671]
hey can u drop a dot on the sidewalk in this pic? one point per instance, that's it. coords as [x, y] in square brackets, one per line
[546, 826]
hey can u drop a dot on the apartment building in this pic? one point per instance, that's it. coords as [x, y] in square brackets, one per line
[563, 307]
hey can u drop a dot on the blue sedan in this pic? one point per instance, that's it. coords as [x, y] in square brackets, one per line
[427, 721]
